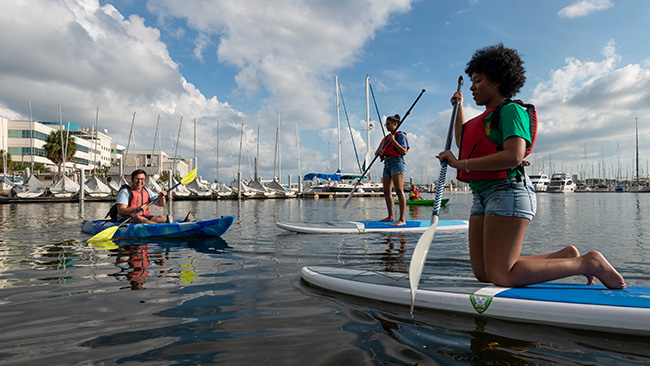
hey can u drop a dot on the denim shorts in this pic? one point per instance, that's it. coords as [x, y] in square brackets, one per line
[394, 166]
[507, 198]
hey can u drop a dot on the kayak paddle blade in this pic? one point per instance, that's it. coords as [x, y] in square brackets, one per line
[189, 177]
[104, 235]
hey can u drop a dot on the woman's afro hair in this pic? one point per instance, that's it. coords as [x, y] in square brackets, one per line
[500, 65]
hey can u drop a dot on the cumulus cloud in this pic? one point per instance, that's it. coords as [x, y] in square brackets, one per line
[595, 100]
[84, 56]
[584, 7]
[285, 48]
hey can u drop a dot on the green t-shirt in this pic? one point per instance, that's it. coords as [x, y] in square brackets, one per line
[513, 121]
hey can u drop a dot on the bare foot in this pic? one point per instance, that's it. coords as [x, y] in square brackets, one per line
[598, 266]
[387, 219]
[399, 223]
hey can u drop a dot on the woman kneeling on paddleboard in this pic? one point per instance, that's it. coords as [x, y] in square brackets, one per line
[392, 150]
[492, 148]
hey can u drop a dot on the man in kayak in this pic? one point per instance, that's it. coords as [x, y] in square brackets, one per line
[136, 196]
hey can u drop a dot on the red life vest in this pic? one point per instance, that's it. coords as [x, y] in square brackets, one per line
[474, 142]
[389, 148]
[138, 199]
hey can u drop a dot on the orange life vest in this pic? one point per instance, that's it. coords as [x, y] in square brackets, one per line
[474, 142]
[138, 199]
[389, 147]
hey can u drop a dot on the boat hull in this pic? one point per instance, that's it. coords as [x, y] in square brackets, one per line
[199, 228]
[590, 307]
[364, 227]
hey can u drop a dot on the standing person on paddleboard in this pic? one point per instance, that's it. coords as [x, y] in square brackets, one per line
[492, 148]
[131, 198]
[392, 150]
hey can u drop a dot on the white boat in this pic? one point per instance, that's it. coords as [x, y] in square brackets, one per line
[116, 185]
[94, 187]
[5, 186]
[181, 190]
[540, 182]
[246, 191]
[220, 189]
[279, 189]
[64, 187]
[30, 189]
[153, 185]
[260, 189]
[199, 188]
[561, 183]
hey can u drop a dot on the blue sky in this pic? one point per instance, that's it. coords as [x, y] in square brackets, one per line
[243, 62]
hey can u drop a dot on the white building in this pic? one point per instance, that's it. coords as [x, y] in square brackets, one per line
[24, 140]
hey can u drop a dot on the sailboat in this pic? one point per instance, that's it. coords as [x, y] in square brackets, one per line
[638, 185]
[94, 187]
[5, 186]
[64, 187]
[198, 187]
[31, 188]
[279, 189]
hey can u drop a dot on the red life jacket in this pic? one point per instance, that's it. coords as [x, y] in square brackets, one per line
[389, 148]
[474, 142]
[138, 199]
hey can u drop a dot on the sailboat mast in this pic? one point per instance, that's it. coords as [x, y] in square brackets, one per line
[61, 131]
[31, 140]
[216, 168]
[194, 161]
[275, 154]
[257, 155]
[279, 153]
[338, 123]
[637, 152]
[298, 149]
[95, 137]
[367, 119]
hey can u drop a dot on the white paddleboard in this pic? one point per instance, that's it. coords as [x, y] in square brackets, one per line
[574, 306]
[362, 227]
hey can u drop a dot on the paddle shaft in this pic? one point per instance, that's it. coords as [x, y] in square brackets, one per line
[347, 201]
[443, 168]
[422, 247]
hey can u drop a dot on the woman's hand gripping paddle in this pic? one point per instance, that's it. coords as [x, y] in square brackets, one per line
[347, 201]
[422, 247]
[107, 234]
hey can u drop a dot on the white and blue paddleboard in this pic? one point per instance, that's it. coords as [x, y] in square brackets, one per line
[577, 306]
[362, 227]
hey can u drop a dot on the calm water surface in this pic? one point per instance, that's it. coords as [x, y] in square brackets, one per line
[238, 300]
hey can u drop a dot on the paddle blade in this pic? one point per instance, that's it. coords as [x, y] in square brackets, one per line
[419, 257]
[104, 245]
[189, 177]
[104, 235]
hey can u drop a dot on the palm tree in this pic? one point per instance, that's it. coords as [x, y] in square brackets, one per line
[53, 148]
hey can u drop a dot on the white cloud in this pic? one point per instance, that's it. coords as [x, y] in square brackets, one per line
[591, 100]
[583, 8]
[287, 49]
[83, 55]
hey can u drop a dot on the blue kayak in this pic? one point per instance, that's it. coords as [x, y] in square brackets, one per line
[202, 228]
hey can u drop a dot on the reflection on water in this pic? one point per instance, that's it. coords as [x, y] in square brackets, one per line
[239, 299]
